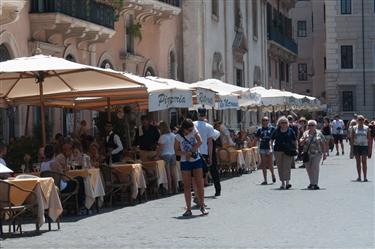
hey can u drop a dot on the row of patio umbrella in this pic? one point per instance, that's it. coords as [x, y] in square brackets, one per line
[51, 81]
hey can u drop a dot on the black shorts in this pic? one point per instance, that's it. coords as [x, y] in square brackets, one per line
[360, 150]
[337, 138]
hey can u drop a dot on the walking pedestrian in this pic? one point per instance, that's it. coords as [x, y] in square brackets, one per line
[285, 149]
[314, 149]
[187, 144]
[296, 131]
[166, 152]
[338, 132]
[264, 136]
[207, 134]
[362, 146]
[326, 130]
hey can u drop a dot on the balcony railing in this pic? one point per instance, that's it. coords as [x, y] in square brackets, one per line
[286, 42]
[172, 2]
[88, 10]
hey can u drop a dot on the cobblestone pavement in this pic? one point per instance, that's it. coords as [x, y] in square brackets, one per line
[247, 215]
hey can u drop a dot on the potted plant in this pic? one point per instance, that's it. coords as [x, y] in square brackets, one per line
[135, 30]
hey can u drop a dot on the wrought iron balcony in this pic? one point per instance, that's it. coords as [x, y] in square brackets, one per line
[283, 40]
[88, 10]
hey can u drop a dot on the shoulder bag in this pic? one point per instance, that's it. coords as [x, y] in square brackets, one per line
[305, 154]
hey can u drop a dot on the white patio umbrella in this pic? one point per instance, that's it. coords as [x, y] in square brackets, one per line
[4, 169]
[36, 76]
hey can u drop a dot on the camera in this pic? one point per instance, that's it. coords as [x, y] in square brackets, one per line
[194, 155]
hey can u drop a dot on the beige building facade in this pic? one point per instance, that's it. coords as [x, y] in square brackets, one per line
[226, 40]
[336, 62]
[281, 48]
[139, 37]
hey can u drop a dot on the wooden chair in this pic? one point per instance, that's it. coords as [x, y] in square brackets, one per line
[114, 186]
[223, 158]
[67, 199]
[151, 178]
[15, 213]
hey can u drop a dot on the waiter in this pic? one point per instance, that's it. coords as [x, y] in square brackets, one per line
[113, 144]
[146, 137]
[208, 136]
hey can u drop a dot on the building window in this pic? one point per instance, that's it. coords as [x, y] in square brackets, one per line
[301, 28]
[215, 9]
[282, 71]
[324, 13]
[346, 7]
[269, 67]
[129, 35]
[276, 66]
[255, 18]
[302, 71]
[347, 101]
[325, 63]
[287, 72]
[172, 66]
[347, 57]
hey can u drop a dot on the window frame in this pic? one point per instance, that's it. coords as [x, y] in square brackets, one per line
[347, 66]
[302, 76]
[301, 32]
[215, 8]
[345, 97]
[347, 5]
[254, 7]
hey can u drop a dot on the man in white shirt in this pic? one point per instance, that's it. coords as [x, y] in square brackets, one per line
[113, 144]
[338, 132]
[207, 133]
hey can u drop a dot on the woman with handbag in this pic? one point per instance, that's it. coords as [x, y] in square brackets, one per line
[314, 148]
[285, 150]
[186, 146]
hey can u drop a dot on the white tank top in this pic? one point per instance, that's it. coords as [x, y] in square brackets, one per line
[360, 135]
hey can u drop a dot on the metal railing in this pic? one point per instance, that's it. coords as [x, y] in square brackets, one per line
[172, 2]
[88, 10]
[277, 36]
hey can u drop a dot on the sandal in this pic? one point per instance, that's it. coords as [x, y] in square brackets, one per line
[264, 183]
[288, 186]
[204, 211]
[187, 213]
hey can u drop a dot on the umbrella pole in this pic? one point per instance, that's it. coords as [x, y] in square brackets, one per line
[27, 120]
[42, 117]
[109, 109]
[75, 121]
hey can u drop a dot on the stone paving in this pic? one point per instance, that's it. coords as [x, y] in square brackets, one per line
[247, 215]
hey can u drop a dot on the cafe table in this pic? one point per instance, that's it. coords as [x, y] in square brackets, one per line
[161, 173]
[94, 188]
[46, 193]
[137, 177]
[251, 159]
[237, 157]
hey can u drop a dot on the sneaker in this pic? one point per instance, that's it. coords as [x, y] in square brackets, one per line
[310, 186]
[288, 186]
[218, 193]
[264, 183]
[316, 187]
[204, 211]
[365, 180]
[358, 179]
[273, 179]
[187, 213]
[343, 153]
[337, 154]
[282, 187]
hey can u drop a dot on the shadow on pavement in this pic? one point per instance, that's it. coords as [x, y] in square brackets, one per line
[189, 217]
[23, 235]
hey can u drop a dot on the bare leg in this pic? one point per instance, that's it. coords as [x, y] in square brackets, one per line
[263, 164]
[364, 167]
[198, 178]
[270, 165]
[358, 162]
[186, 176]
[342, 146]
[173, 177]
[169, 178]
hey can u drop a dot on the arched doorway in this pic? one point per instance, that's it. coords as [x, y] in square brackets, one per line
[150, 72]
[106, 64]
[70, 57]
[172, 65]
